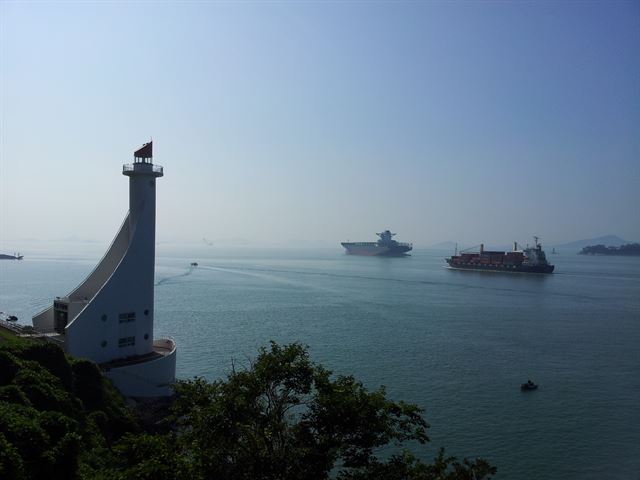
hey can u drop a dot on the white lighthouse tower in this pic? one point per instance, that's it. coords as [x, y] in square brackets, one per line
[108, 318]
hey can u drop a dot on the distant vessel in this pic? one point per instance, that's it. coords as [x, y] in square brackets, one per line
[8, 318]
[15, 256]
[529, 385]
[386, 246]
[553, 251]
[528, 260]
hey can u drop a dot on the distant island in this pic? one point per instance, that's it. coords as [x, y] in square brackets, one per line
[627, 250]
[576, 246]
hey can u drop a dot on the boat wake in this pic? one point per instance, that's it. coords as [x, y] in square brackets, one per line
[166, 280]
[266, 273]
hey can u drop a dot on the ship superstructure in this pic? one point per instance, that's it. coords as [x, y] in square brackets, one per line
[385, 246]
[109, 317]
[15, 256]
[527, 260]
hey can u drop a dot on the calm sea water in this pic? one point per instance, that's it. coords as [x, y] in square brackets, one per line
[457, 343]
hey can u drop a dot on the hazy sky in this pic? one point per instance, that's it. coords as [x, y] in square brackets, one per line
[304, 123]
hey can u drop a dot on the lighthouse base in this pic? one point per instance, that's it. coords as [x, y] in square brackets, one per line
[147, 376]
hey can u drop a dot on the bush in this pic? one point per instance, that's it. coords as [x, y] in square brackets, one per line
[10, 461]
[9, 366]
[46, 392]
[88, 384]
[13, 394]
[52, 358]
[45, 429]
[288, 418]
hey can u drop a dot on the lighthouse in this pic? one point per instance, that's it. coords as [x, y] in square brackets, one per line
[108, 318]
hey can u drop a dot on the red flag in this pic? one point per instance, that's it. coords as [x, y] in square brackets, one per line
[145, 151]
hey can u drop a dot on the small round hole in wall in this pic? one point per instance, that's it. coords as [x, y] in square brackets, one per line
[104, 343]
[146, 312]
[146, 336]
[104, 318]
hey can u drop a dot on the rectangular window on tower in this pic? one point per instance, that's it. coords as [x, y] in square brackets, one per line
[126, 341]
[127, 317]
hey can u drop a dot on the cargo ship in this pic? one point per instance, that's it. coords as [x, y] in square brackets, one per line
[528, 260]
[386, 246]
[15, 256]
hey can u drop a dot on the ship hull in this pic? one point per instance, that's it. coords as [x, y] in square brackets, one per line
[503, 268]
[10, 257]
[374, 250]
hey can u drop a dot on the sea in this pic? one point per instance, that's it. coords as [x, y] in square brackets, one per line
[457, 343]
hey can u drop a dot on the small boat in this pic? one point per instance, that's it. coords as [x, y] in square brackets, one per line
[194, 264]
[528, 386]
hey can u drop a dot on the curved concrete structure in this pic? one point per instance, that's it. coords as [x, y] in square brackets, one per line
[142, 376]
[108, 318]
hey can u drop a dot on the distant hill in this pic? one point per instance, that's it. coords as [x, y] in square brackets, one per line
[607, 240]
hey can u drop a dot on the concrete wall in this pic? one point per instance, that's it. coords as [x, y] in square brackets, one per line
[97, 278]
[96, 332]
[149, 379]
[43, 322]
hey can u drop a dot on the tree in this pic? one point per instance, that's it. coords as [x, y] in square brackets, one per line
[58, 416]
[285, 417]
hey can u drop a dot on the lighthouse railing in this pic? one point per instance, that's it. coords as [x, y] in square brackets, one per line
[130, 167]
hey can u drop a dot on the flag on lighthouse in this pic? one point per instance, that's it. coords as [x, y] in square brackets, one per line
[145, 151]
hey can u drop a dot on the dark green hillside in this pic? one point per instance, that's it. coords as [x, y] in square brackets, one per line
[59, 416]
[281, 418]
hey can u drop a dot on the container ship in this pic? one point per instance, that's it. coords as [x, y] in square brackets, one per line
[528, 260]
[386, 246]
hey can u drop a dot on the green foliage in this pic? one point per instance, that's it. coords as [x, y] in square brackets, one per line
[46, 431]
[10, 461]
[406, 466]
[50, 357]
[13, 394]
[287, 418]
[45, 391]
[284, 417]
[88, 383]
[150, 457]
[21, 427]
[10, 340]
[9, 366]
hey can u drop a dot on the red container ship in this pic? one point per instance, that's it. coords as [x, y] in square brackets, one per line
[528, 260]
